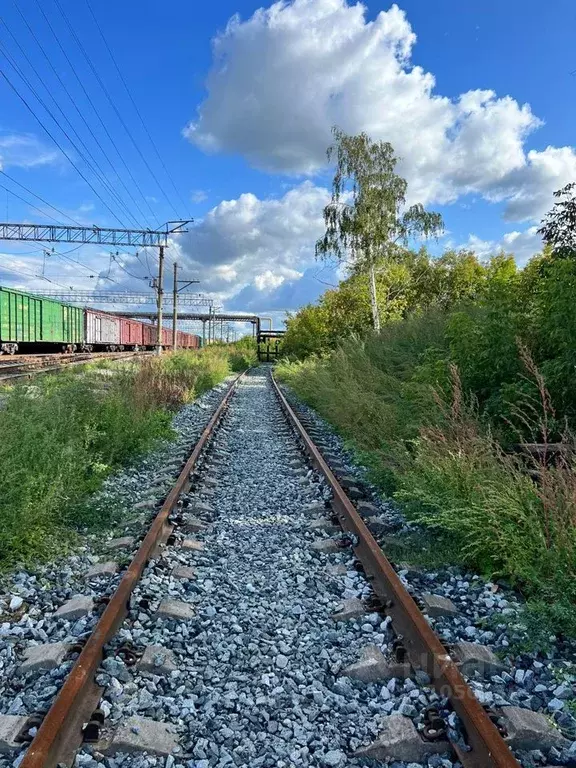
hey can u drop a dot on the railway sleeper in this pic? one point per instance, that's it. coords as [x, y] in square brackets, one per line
[399, 738]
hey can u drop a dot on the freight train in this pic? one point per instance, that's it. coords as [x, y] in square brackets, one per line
[31, 323]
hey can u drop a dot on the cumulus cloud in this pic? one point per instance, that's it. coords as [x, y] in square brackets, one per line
[523, 245]
[247, 252]
[253, 243]
[282, 78]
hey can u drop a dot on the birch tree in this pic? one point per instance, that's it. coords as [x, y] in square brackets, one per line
[367, 219]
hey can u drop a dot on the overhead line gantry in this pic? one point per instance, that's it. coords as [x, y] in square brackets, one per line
[60, 233]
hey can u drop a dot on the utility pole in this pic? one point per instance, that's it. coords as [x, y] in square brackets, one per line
[160, 289]
[177, 290]
[175, 307]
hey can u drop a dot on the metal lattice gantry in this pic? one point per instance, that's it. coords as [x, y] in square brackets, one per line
[124, 297]
[56, 233]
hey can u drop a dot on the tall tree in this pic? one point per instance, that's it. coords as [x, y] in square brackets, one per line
[366, 219]
[559, 225]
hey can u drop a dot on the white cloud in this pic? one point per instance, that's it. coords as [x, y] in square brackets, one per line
[528, 190]
[25, 151]
[243, 252]
[250, 242]
[269, 280]
[198, 196]
[282, 78]
[523, 245]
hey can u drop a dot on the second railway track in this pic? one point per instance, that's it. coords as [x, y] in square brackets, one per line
[249, 630]
[28, 366]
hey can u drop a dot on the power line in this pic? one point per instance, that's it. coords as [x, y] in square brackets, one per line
[30, 274]
[4, 268]
[55, 140]
[79, 263]
[96, 111]
[94, 165]
[121, 76]
[113, 105]
[136, 277]
[63, 86]
[27, 202]
[38, 197]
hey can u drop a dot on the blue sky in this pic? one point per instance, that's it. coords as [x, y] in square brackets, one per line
[478, 98]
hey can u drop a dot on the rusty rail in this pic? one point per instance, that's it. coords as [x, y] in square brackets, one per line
[47, 368]
[425, 651]
[60, 729]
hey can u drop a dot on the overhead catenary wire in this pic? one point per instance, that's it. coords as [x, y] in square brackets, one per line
[136, 277]
[4, 268]
[58, 144]
[136, 109]
[65, 89]
[96, 111]
[38, 197]
[84, 152]
[113, 105]
[84, 266]
[27, 202]
[62, 255]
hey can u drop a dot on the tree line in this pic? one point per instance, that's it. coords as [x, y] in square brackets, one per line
[485, 310]
[454, 381]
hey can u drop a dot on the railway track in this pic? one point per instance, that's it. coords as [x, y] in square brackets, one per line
[27, 366]
[257, 623]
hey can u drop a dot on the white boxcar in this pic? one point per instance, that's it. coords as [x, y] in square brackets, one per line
[102, 330]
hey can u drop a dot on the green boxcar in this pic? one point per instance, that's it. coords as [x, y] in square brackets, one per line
[27, 319]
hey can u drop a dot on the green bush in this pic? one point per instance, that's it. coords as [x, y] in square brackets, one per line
[58, 443]
[399, 402]
[64, 435]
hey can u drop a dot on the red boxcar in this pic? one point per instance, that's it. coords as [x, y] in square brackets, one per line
[148, 335]
[131, 334]
[192, 341]
[188, 340]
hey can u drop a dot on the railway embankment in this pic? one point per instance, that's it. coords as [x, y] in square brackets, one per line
[472, 497]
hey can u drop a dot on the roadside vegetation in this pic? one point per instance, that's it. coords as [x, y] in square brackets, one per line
[62, 435]
[463, 405]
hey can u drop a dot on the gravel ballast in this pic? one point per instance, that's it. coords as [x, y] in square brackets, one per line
[29, 599]
[258, 678]
[245, 662]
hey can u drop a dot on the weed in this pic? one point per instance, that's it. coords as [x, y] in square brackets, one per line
[506, 515]
[64, 435]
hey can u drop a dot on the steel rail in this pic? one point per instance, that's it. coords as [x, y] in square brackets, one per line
[28, 374]
[425, 651]
[54, 734]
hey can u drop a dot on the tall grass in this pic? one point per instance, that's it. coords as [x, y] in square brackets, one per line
[507, 515]
[61, 437]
